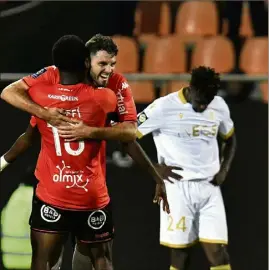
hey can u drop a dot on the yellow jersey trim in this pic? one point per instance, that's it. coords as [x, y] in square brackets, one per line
[181, 96]
[139, 135]
[213, 241]
[228, 135]
[173, 268]
[221, 267]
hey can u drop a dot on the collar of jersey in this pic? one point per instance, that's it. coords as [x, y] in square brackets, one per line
[181, 96]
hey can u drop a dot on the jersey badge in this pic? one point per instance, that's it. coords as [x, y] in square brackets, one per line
[37, 74]
[142, 117]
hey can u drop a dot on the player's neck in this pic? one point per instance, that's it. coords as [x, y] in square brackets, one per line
[186, 93]
[70, 78]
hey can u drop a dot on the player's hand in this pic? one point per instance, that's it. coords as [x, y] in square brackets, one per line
[219, 177]
[166, 172]
[56, 117]
[74, 132]
[160, 195]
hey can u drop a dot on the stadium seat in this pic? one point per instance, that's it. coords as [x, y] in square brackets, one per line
[216, 52]
[173, 86]
[246, 29]
[166, 55]
[143, 91]
[165, 20]
[146, 39]
[197, 18]
[152, 17]
[127, 59]
[254, 56]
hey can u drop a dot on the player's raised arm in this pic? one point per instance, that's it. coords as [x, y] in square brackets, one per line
[19, 147]
[16, 94]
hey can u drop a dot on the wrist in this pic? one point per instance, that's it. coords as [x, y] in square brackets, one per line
[3, 163]
[43, 114]
[91, 132]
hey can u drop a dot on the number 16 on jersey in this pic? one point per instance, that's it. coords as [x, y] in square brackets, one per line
[67, 147]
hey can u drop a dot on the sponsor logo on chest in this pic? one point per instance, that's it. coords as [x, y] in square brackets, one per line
[63, 97]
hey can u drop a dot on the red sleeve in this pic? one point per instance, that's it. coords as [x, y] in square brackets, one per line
[107, 100]
[48, 75]
[33, 121]
[125, 103]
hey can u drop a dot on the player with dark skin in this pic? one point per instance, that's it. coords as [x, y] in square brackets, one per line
[47, 247]
[200, 97]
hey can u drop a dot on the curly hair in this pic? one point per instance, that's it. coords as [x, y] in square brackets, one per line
[69, 54]
[102, 43]
[205, 80]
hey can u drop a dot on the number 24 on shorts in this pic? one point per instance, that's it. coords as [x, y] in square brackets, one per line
[180, 225]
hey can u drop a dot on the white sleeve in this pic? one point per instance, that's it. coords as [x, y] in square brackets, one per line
[226, 128]
[150, 119]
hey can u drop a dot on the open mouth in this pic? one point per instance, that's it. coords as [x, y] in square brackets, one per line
[104, 76]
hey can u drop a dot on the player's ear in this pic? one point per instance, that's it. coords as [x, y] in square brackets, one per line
[87, 63]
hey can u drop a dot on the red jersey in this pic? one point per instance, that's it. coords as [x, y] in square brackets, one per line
[70, 174]
[126, 109]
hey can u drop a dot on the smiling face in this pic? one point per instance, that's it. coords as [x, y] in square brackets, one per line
[102, 66]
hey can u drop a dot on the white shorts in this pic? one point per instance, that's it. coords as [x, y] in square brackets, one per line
[197, 214]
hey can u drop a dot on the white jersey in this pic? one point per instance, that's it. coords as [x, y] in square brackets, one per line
[186, 138]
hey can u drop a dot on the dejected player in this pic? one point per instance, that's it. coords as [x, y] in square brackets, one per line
[185, 125]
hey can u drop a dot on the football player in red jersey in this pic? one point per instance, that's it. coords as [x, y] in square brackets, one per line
[71, 195]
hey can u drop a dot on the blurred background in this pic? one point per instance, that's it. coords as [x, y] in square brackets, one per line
[159, 43]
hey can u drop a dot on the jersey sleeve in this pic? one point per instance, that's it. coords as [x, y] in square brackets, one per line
[226, 128]
[126, 109]
[47, 75]
[150, 119]
[106, 99]
[33, 121]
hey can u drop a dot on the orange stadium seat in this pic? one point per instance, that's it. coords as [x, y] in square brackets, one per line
[143, 91]
[254, 60]
[152, 17]
[216, 52]
[165, 20]
[246, 29]
[127, 59]
[254, 56]
[166, 55]
[197, 18]
[173, 86]
[146, 39]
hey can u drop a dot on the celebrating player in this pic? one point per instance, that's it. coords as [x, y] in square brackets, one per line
[71, 195]
[185, 125]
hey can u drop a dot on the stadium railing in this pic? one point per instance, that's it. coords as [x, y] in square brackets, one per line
[161, 77]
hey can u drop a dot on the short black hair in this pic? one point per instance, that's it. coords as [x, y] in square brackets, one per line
[205, 80]
[69, 54]
[102, 43]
